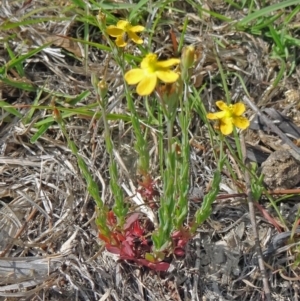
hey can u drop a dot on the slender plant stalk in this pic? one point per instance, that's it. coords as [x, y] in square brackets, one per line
[253, 223]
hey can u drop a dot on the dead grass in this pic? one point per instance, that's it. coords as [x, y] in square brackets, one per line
[49, 248]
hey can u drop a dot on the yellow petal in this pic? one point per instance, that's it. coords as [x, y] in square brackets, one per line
[226, 126]
[134, 76]
[123, 24]
[238, 109]
[134, 37]
[167, 76]
[137, 28]
[147, 85]
[222, 105]
[168, 63]
[114, 31]
[241, 122]
[217, 115]
[120, 41]
[149, 61]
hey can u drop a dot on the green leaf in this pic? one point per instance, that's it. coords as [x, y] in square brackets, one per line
[266, 10]
[10, 109]
[40, 132]
[79, 98]
[10, 25]
[16, 61]
[29, 114]
[205, 210]
[22, 85]
[275, 36]
[19, 66]
[136, 9]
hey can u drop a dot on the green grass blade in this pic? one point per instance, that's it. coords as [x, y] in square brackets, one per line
[24, 86]
[12, 56]
[14, 62]
[136, 8]
[8, 108]
[40, 132]
[28, 116]
[266, 10]
[276, 38]
[7, 25]
[79, 98]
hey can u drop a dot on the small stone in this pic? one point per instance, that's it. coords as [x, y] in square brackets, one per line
[281, 170]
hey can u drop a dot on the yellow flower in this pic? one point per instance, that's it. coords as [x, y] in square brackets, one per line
[230, 116]
[124, 31]
[151, 70]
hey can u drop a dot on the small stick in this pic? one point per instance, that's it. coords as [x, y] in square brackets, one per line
[253, 222]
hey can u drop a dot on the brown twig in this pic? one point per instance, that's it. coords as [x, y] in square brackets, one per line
[253, 222]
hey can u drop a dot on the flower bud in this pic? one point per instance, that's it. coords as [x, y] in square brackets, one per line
[187, 61]
[102, 88]
[188, 57]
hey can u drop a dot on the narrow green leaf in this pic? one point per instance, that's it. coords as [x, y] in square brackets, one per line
[10, 109]
[136, 9]
[22, 58]
[19, 66]
[266, 10]
[280, 73]
[10, 25]
[22, 85]
[265, 22]
[276, 39]
[40, 132]
[79, 98]
[28, 116]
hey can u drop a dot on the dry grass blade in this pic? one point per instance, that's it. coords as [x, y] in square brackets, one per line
[27, 275]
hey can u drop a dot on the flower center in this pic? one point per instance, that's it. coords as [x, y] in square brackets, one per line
[151, 66]
[229, 112]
